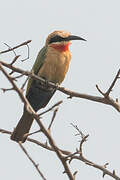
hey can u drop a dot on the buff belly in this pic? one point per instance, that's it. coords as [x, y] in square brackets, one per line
[55, 66]
[54, 69]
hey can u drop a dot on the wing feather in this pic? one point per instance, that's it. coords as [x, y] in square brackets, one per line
[37, 65]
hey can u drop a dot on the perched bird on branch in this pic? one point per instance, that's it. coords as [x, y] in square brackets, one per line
[52, 64]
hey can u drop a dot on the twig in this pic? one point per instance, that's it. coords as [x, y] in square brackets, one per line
[79, 131]
[4, 89]
[100, 90]
[29, 134]
[24, 83]
[11, 49]
[90, 163]
[53, 117]
[112, 85]
[15, 59]
[84, 139]
[19, 91]
[33, 162]
[106, 95]
[11, 72]
[5, 131]
[44, 145]
[19, 76]
[51, 108]
[28, 54]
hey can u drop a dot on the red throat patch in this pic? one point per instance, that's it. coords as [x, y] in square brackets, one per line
[61, 47]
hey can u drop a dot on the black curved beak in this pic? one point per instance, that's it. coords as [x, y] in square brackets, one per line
[72, 37]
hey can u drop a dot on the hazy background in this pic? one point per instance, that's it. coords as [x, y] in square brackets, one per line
[93, 62]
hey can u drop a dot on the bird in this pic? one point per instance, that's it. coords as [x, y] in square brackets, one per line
[51, 64]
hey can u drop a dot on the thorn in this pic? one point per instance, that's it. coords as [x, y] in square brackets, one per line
[114, 172]
[64, 172]
[37, 165]
[11, 72]
[77, 150]
[105, 165]
[70, 161]
[46, 143]
[74, 174]
[100, 90]
[104, 174]
[70, 97]
[4, 90]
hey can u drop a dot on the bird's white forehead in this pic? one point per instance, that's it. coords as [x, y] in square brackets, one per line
[59, 33]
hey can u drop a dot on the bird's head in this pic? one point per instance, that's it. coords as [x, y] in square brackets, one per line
[60, 40]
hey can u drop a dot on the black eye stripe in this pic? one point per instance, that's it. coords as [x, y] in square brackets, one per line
[57, 39]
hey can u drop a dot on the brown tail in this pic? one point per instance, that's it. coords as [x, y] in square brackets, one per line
[22, 127]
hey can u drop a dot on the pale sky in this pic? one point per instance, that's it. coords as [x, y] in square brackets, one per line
[93, 62]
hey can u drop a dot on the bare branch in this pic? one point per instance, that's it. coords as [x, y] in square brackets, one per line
[4, 89]
[19, 76]
[43, 129]
[112, 85]
[15, 59]
[56, 149]
[90, 163]
[108, 101]
[81, 157]
[51, 108]
[28, 53]
[80, 133]
[44, 145]
[19, 91]
[11, 49]
[53, 117]
[72, 156]
[106, 95]
[100, 90]
[33, 162]
[5, 131]
[24, 83]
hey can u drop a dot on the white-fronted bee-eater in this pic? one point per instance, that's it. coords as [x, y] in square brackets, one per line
[52, 64]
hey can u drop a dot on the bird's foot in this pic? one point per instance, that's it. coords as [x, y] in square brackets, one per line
[46, 83]
[57, 85]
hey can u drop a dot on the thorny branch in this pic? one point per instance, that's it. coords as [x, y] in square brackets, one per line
[63, 155]
[43, 145]
[106, 95]
[51, 108]
[105, 99]
[33, 162]
[11, 49]
[42, 127]
[78, 155]
[53, 117]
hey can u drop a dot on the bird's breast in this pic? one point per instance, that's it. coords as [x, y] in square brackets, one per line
[55, 65]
